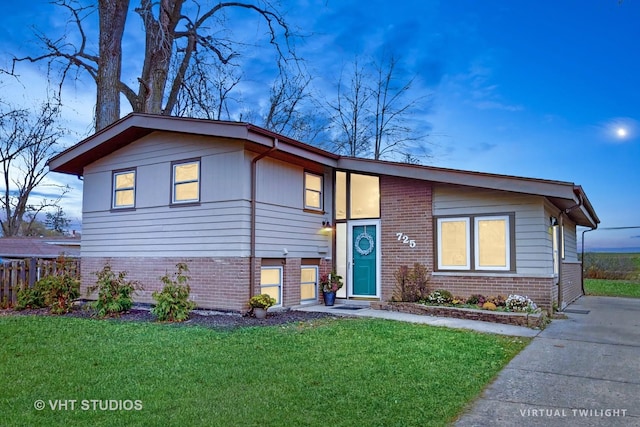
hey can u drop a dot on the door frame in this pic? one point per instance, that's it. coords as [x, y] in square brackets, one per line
[349, 278]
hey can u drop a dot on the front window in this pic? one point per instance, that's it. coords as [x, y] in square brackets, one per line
[453, 244]
[186, 182]
[492, 243]
[475, 243]
[271, 283]
[312, 191]
[124, 189]
[365, 196]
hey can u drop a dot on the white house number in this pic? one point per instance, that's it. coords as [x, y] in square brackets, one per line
[405, 239]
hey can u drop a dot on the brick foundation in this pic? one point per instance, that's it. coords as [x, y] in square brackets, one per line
[216, 283]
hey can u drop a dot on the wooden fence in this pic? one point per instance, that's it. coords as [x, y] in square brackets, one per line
[20, 273]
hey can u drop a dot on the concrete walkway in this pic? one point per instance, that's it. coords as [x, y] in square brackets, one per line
[582, 371]
[363, 310]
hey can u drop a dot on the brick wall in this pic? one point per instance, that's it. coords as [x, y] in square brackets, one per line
[405, 207]
[216, 283]
[539, 289]
[571, 281]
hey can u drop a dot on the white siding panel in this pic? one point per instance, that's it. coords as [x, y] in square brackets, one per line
[533, 244]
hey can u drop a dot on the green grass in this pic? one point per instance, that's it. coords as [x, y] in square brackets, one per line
[612, 288]
[331, 372]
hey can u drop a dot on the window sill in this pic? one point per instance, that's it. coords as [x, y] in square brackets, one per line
[314, 211]
[185, 204]
[113, 210]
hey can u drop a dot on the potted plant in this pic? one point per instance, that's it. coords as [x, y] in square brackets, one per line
[260, 303]
[330, 283]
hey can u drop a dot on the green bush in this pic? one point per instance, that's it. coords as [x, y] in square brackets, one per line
[173, 304]
[29, 298]
[59, 291]
[608, 266]
[115, 293]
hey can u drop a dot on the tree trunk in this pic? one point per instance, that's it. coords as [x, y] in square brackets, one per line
[113, 15]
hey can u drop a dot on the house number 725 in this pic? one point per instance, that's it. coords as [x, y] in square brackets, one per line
[405, 239]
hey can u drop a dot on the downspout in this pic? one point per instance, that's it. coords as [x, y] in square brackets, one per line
[252, 257]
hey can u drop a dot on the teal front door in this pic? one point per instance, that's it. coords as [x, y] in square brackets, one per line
[364, 264]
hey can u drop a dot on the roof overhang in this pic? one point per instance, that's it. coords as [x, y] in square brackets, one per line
[568, 197]
[135, 126]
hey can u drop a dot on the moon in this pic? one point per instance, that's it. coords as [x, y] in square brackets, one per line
[621, 132]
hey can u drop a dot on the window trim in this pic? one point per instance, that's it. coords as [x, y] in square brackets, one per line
[320, 193]
[175, 164]
[472, 248]
[115, 190]
[315, 283]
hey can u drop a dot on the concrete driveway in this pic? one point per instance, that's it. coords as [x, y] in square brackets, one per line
[580, 371]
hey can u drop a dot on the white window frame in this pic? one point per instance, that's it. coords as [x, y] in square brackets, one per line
[320, 193]
[315, 283]
[116, 190]
[467, 265]
[279, 285]
[476, 242]
[174, 166]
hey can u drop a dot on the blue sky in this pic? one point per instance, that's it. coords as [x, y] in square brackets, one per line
[538, 89]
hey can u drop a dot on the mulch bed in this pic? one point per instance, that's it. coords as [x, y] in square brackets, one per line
[208, 319]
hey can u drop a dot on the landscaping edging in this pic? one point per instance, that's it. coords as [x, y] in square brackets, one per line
[530, 320]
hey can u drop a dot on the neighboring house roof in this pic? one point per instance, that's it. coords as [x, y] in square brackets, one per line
[33, 247]
[567, 196]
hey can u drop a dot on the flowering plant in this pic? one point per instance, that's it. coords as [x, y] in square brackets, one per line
[520, 303]
[330, 282]
[261, 301]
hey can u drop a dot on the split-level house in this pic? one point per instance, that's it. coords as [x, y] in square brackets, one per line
[250, 211]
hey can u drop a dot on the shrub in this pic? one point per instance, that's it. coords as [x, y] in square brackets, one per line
[476, 299]
[173, 304]
[29, 298]
[489, 306]
[440, 296]
[411, 283]
[498, 300]
[608, 266]
[520, 303]
[262, 301]
[114, 292]
[59, 291]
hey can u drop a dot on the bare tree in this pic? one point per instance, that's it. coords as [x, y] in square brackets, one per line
[391, 108]
[351, 123]
[26, 143]
[175, 30]
[293, 110]
[372, 112]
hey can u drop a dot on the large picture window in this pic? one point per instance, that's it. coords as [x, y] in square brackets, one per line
[475, 243]
[124, 189]
[186, 182]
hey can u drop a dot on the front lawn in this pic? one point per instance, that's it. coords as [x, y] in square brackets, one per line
[612, 288]
[329, 372]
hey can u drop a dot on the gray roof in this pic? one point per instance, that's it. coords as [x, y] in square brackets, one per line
[33, 247]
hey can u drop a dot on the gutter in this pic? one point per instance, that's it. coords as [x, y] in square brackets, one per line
[252, 256]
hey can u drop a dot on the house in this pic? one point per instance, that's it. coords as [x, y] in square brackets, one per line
[251, 211]
[12, 248]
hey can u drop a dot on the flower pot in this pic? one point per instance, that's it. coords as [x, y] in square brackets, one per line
[260, 313]
[329, 298]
